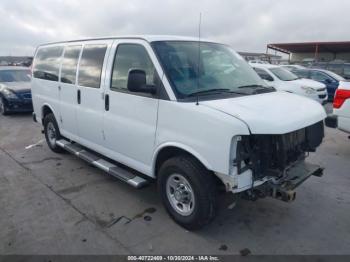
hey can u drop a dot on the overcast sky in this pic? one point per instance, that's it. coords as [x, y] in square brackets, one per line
[247, 25]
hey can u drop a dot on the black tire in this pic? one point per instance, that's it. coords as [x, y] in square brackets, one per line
[49, 123]
[203, 187]
[3, 109]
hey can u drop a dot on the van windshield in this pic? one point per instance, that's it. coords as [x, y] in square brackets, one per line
[217, 70]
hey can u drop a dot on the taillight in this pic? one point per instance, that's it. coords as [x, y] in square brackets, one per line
[340, 96]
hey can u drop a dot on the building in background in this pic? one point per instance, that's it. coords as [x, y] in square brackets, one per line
[16, 60]
[311, 52]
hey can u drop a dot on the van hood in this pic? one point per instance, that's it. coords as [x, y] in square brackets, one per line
[271, 113]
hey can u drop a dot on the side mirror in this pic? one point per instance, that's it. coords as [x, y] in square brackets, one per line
[137, 82]
[328, 81]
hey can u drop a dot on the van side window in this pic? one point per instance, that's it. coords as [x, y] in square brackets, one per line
[47, 63]
[91, 63]
[69, 64]
[131, 56]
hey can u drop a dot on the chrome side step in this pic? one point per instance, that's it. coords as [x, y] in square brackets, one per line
[103, 164]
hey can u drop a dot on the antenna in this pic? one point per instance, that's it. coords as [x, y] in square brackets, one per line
[199, 53]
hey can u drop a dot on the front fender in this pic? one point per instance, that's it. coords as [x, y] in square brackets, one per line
[186, 148]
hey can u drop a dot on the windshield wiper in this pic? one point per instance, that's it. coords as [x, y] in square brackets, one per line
[215, 90]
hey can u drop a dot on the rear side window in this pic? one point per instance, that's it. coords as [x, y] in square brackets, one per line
[263, 74]
[47, 63]
[69, 64]
[318, 76]
[131, 56]
[91, 63]
[336, 68]
[347, 71]
[301, 73]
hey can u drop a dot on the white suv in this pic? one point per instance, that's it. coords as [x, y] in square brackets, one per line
[341, 108]
[194, 116]
[284, 80]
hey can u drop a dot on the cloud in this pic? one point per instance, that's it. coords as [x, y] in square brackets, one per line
[247, 25]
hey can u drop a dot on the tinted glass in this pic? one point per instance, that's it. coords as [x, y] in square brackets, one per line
[336, 68]
[301, 73]
[318, 76]
[69, 64]
[217, 67]
[131, 56]
[263, 74]
[91, 63]
[347, 70]
[14, 75]
[335, 76]
[283, 74]
[47, 63]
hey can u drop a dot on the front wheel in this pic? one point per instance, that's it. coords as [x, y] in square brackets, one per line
[52, 133]
[188, 192]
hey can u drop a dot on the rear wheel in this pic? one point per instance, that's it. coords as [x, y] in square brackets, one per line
[3, 109]
[188, 192]
[52, 133]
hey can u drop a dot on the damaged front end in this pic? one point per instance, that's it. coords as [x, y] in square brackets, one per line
[274, 165]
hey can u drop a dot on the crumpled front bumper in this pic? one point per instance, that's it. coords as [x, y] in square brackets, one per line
[277, 187]
[283, 188]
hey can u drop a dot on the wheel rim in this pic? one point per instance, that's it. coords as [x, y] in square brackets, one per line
[180, 194]
[51, 133]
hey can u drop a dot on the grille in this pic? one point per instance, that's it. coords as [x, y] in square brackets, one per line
[266, 154]
[26, 96]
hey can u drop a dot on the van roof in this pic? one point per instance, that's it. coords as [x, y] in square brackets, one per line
[148, 38]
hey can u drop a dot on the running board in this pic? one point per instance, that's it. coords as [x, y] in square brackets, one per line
[103, 164]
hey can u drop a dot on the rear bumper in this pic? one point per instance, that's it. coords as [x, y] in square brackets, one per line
[331, 121]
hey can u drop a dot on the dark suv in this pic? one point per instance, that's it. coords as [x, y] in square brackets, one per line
[330, 79]
[340, 68]
[15, 93]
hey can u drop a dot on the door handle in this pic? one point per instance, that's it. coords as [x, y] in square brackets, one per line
[107, 102]
[79, 97]
[59, 88]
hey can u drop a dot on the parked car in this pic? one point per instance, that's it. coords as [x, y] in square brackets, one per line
[292, 67]
[330, 79]
[151, 109]
[258, 62]
[284, 80]
[15, 93]
[341, 108]
[337, 67]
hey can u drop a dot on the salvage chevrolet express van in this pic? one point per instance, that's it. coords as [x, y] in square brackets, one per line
[193, 116]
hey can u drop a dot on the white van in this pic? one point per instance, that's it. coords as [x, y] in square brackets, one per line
[193, 116]
[284, 80]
